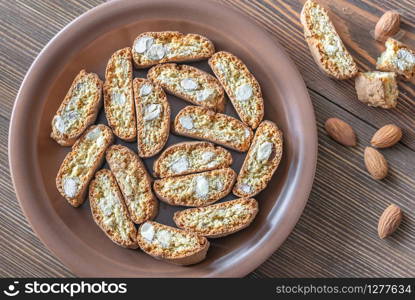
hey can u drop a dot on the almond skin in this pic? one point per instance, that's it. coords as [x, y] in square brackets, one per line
[387, 26]
[341, 132]
[376, 163]
[386, 136]
[389, 221]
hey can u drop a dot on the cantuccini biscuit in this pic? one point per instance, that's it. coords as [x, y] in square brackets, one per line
[218, 220]
[78, 109]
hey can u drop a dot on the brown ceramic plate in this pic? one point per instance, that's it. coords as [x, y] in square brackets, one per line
[88, 42]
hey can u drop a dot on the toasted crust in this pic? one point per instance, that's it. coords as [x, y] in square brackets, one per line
[73, 116]
[195, 190]
[197, 156]
[134, 183]
[215, 127]
[325, 44]
[77, 169]
[172, 77]
[152, 133]
[218, 220]
[109, 210]
[118, 95]
[234, 76]
[377, 89]
[165, 241]
[170, 46]
[398, 58]
[261, 161]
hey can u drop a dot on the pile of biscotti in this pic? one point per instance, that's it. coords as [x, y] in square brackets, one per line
[189, 174]
[375, 88]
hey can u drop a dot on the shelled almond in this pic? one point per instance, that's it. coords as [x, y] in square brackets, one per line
[389, 221]
[386, 136]
[388, 25]
[376, 163]
[341, 132]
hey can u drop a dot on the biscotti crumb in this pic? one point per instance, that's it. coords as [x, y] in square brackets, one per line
[397, 58]
[377, 89]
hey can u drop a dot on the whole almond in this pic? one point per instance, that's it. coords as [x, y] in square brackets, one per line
[387, 26]
[389, 221]
[386, 136]
[376, 163]
[341, 132]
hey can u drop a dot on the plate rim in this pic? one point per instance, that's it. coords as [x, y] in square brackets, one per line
[17, 170]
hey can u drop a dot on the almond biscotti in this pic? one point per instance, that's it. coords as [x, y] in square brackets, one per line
[118, 95]
[134, 183]
[325, 44]
[377, 89]
[170, 244]
[109, 211]
[195, 189]
[261, 161]
[240, 85]
[153, 117]
[152, 48]
[201, 123]
[191, 157]
[190, 84]
[218, 220]
[79, 165]
[78, 109]
[397, 58]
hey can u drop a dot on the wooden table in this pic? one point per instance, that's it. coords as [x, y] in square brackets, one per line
[336, 235]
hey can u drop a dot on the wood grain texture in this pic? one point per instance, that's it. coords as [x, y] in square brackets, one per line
[336, 235]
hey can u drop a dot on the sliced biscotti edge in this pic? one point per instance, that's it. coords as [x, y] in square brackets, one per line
[189, 86]
[118, 95]
[323, 50]
[134, 183]
[243, 91]
[218, 220]
[110, 212]
[377, 89]
[262, 160]
[171, 163]
[233, 134]
[58, 121]
[69, 185]
[152, 111]
[151, 48]
[159, 241]
[195, 190]
[398, 58]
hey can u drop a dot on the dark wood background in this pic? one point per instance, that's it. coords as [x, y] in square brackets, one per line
[336, 235]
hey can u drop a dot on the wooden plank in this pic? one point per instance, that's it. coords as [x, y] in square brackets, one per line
[354, 20]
